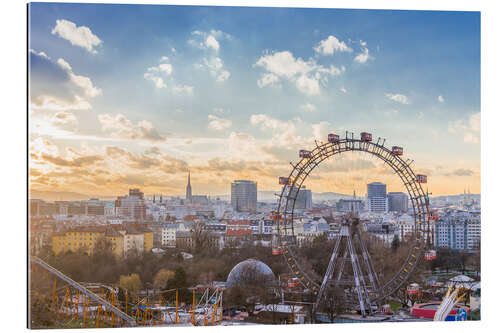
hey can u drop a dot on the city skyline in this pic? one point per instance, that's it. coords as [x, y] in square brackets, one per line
[234, 94]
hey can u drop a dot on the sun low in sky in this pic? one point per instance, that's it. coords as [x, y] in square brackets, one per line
[136, 95]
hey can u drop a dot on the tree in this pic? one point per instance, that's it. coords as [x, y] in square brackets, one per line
[234, 297]
[201, 238]
[271, 300]
[180, 282]
[40, 314]
[179, 279]
[161, 278]
[395, 243]
[132, 283]
[334, 302]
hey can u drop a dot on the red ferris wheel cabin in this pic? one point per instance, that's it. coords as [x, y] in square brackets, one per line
[421, 179]
[397, 150]
[305, 153]
[366, 136]
[332, 138]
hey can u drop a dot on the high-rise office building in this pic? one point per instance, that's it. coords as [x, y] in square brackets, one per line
[131, 206]
[244, 195]
[304, 199]
[397, 201]
[377, 197]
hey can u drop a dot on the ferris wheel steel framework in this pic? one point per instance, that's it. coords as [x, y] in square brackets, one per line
[300, 172]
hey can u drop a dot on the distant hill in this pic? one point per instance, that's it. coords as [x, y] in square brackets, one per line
[263, 196]
[326, 196]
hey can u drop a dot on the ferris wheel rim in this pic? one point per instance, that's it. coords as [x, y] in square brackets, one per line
[402, 168]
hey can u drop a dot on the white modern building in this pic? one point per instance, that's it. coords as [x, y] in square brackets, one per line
[459, 230]
[377, 197]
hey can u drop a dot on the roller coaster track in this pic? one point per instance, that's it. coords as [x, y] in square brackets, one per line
[131, 321]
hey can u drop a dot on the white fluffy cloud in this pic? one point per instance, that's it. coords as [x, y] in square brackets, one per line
[121, 127]
[268, 79]
[440, 99]
[208, 40]
[218, 123]
[286, 136]
[163, 67]
[363, 56]
[158, 75]
[470, 128]
[213, 63]
[80, 36]
[212, 43]
[308, 107]
[308, 76]
[320, 130]
[398, 98]
[344, 90]
[331, 45]
[215, 67]
[158, 81]
[155, 73]
[54, 85]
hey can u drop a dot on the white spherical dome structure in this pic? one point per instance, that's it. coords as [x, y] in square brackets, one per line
[250, 272]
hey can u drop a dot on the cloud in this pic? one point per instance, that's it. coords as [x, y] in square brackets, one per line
[158, 81]
[440, 99]
[65, 120]
[320, 130]
[163, 67]
[398, 98]
[215, 66]
[208, 40]
[54, 85]
[158, 75]
[461, 173]
[155, 73]
[363, 56]
[307, 76]
[348, 163]
[470, 128]
[331, 45]
[40, 54]
[79, 36]
[182, 90]
[121, 127]
[218, 123]
[308, 107]
[343, 90]
[212, 43]
[77, 162]
[268, 79]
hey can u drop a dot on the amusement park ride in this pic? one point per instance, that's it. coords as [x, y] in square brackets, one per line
[82, 305]
[349, 247]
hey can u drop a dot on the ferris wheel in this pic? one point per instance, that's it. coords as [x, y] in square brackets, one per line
[368, 289]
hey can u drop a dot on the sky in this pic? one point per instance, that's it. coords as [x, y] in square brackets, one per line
[126, 96]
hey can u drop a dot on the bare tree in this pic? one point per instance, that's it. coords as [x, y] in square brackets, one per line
[334, 303]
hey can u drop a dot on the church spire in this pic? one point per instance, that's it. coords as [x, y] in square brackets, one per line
[188, 188]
